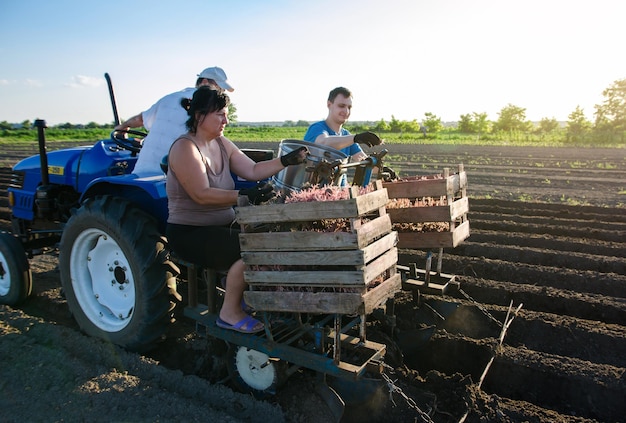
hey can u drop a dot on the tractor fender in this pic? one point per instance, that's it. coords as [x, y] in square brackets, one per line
[146, 193]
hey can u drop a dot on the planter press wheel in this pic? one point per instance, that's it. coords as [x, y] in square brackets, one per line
[255, 372]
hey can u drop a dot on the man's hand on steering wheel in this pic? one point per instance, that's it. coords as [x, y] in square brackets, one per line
[120, 137]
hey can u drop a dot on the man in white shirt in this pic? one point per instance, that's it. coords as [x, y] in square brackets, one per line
[165, 122]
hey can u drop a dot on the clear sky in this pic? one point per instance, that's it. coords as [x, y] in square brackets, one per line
[400, 58]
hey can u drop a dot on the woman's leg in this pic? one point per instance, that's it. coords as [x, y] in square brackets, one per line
[231, 311]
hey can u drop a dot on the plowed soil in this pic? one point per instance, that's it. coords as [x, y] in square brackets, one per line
[548, 240]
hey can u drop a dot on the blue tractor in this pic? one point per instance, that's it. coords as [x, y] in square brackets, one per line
[108, 224]
[116, 271]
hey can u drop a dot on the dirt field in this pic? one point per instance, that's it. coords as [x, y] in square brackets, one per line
[548, 232]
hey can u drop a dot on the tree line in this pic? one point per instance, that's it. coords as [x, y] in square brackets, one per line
[608, 127]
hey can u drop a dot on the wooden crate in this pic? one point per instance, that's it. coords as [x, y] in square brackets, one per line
[452, 188]
[294, 270]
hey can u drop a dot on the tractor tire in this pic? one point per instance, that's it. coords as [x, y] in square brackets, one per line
[115, 270]
[16, 283]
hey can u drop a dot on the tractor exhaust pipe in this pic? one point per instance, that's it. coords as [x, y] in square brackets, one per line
[116, 117]
[44, 196]
[43, 155]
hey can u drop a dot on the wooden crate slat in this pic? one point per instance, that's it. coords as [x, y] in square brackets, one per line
[324, 302]
[313, 240]
[314, 278]
[326, 257]
[360, 276]
[297, 212]
[419, 187]
[378, 247]
[430, 213]
[298, 240]
[380, 265]
[459, 208]
[373, 229]
[434, 239]
[294, 258]
[376, 297]
[304, 302]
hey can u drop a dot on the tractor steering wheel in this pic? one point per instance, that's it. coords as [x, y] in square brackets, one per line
[119, 137]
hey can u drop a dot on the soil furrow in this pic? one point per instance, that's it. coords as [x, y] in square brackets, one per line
[549, 242]
[565, 384]
[484, 218]
[583, 232]
[546, 299]
[546, 209]
[608, 284]
[541, 257]
[548, 380]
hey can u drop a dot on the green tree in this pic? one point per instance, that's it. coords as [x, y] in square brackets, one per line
[512, 118]
[465, 124]
[547, 125]
[481, 123]
[382, 126]
[432, 123]
[5, 125]
[395, 125]
[611, 114]
[232, 113]
[475, 123]
[577, 125]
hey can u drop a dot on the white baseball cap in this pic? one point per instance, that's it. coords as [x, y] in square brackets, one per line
[218, 75]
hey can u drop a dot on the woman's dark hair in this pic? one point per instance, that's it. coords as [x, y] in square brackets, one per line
[205, 100]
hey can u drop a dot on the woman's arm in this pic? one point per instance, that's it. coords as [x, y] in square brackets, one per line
[244, 167]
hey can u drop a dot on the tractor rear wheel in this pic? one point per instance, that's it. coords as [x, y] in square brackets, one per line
[16, 282]
[114, 270]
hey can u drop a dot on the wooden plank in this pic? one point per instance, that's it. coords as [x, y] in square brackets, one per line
[374, 298]
[297, 212]
[309, 258]
[359, 277]
[377, 248]
[304, 302]
[327, 257]
[313, 278]
[314, 240]
[372, 230]
[298, 240]
[434, 239]
[430, 213]
[413, 187]
[380, 265]
[323, 302]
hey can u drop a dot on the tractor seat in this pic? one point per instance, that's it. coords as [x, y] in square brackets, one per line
[164, 163]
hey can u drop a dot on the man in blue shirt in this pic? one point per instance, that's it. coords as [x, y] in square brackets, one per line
[330, 132]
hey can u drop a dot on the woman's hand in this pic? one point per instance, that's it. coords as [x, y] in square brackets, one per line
[259, 193]
[294, 157]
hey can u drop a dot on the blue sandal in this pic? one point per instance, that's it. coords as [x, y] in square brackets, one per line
[246, 325]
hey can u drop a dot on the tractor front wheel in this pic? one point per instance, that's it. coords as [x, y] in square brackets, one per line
[16, 282]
